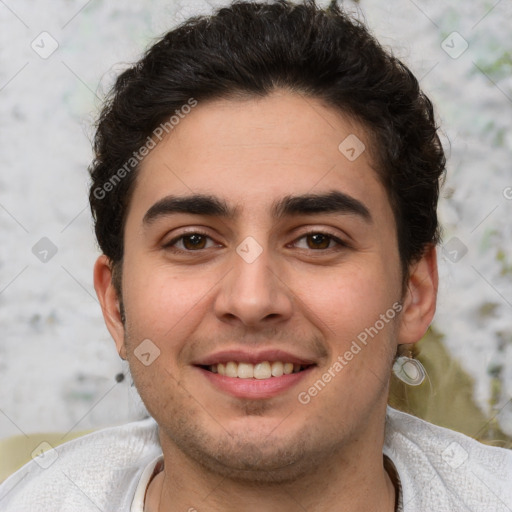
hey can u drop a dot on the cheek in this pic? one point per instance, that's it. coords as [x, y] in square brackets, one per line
[164, 306]
[349, 299]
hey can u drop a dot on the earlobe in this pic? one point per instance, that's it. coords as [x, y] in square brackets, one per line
[109, 301]
[420, 298]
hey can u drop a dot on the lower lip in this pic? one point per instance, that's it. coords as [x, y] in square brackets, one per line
[255, 388]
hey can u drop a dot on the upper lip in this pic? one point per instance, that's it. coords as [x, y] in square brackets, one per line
[254, 357]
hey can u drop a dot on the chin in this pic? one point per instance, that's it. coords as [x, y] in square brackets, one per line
[247, 462]
[254, 450]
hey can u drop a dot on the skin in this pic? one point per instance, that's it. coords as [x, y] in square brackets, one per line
[224, 453]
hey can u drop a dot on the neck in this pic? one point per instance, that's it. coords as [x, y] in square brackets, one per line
[351, 479]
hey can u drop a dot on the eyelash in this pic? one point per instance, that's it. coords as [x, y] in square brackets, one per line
[341, 244]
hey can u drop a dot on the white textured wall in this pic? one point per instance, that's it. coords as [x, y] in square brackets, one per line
[57, 362]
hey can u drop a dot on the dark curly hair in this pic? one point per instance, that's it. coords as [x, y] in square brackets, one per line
[248, 50]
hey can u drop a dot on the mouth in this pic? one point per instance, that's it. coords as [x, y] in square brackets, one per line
[259, 371]
[257, 380]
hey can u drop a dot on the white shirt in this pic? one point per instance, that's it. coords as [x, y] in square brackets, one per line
[145, 479]
[109, 470]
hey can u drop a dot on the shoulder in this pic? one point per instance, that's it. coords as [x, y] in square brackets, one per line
[89, 473]
[444, 470]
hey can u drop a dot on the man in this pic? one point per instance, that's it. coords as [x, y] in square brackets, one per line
[264, 193]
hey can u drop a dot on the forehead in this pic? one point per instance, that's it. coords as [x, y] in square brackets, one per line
[254, 151]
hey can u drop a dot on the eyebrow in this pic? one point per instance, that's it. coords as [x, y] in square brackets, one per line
[306, 204]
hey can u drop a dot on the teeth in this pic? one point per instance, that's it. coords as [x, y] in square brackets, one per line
[231, 369]
[246, 371]
[277, 369]
[288, 368]
[263, 370]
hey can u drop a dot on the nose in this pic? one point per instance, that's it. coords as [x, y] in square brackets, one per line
[252, 292]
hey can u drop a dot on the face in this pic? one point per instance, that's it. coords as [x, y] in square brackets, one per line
[262, 288]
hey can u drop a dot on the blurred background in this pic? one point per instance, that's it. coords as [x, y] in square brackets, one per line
[59, 370]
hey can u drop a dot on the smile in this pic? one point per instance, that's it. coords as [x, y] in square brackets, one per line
[260, 371]
[256, 381]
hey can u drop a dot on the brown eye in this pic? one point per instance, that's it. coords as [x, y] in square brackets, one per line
[318, 241]
[190, 242]
[194, 241]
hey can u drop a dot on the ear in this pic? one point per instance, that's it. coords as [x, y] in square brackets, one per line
[109, 301]
[419, 304]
